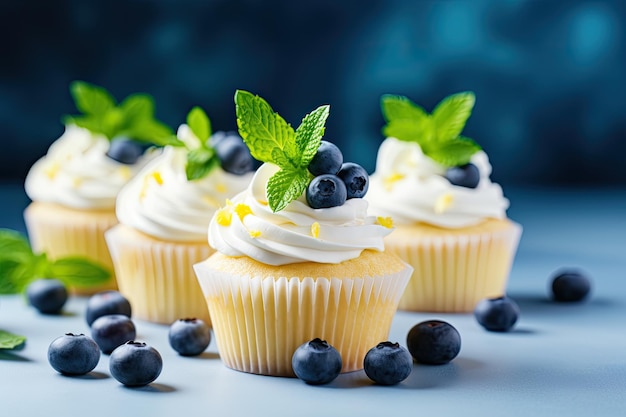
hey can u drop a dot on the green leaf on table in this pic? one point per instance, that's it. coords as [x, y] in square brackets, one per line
[10, 340]
[77, 271]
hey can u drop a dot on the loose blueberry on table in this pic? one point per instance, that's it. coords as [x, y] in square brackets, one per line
[48, 296]
[497, 314]
[135, 364]
[316, 362]
[106, 302]
[73, 354]
[111, 331]
[433, 342]
[570, 286]
[388, 363]
[189, 337]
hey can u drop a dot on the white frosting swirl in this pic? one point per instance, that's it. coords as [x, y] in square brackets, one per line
[289, 236]
[162, 203]
[410, 187]
[77, 173]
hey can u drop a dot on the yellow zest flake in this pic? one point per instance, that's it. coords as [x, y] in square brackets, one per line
[77, 182]
[125, 172]
[52, 170]
[254, 233]
[242, 210]
[389, 181]
[443, 203]
[211, 201]
[385, 221]
[157, 177]
[315, 230]
[224, 216]
[221, 188]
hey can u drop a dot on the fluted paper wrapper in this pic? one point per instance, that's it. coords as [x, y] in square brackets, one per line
[259, 321]
[453, 273]
[60, 231]
[157, 277]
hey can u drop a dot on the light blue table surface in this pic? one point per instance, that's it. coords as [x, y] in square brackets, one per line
[561, 359]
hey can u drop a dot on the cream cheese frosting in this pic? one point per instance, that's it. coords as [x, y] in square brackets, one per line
[298, 233]
[410, 187]
[162, 203]
[76, 172]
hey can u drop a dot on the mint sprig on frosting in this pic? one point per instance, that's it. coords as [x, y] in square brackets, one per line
[132, 118]
[438, 134]
[271, 139]
[202, 159]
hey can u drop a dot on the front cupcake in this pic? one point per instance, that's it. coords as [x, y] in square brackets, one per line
[74, 186]
[164, 213]
[450, 219]
[297, 255]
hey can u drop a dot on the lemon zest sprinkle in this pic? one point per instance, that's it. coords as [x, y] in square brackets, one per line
[315, 230]
[224, 216]
[242, 210]
[52, 170]
[157, 177]
[254, 233]
[385, 221]
[221, 188]
[392, 179]
[443, 203]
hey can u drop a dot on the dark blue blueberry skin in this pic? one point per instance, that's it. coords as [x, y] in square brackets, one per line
[126, 151]
[232, 152]
[433, 342]
[106, 302]
[316, 362]
[356, 179]
[327, 160]
[497, 314]
[73, 354]
[464, 176]
[48, 296]
[111, 331]
[189, 337]
[135, 364]
[388, 363]
[326, 191]
[570, 286]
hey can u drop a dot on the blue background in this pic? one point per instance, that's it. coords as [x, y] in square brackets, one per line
[549, 75]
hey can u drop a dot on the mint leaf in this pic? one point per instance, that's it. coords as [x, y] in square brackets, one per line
[91, 99]
[77, 271]
[399, 107]
[200, 162]
[263, 130]
[285, 186]
[153, 131]
[309, 134]
[13, 245]
[452, 113]
[199, 123]
[10, 340]
[137, 107]
[411, 130]
[454, 152]
[90, 123]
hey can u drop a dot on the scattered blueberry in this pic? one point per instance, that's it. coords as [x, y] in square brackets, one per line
[326, 191]
[388, 363]
[233, 153]
[106, 302]
[48, 296]
[327, 160]
[135, 364]
[111, 331]
[464, 176]
[189, 337]
[570, 286]
[125, 151]
[433, 342]
[73, 354]
[316, 362]
[497, 314]
[356, 179]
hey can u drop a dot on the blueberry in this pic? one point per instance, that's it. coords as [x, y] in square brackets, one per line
[189, 337]
[433, 342]
[316, 362]
[326, 191]
[327, 160]
[356, 179]
[125, 151]
[106, 302]
[570, 286]
[111, 331]
[464, 176]
[73, 354]
[232, 152]
[135, 364]
[48, 296]
[388, 363]
[497, 314]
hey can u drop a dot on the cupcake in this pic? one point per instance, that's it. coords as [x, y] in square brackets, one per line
[449, 217]
[164, 214]
[297, 256]
[74, 186]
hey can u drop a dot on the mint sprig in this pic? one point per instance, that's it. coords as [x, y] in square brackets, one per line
[10, 341]
[132, 118]
[438, 133]
[271, 139]
[19, 266]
